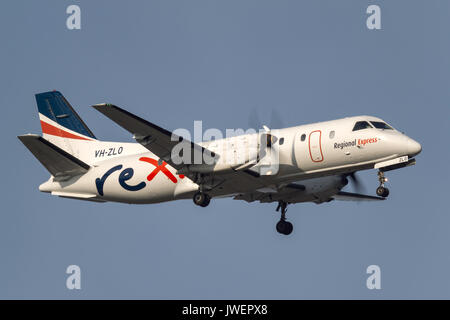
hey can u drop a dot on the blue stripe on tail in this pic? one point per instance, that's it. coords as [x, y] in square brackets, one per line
[54, 106]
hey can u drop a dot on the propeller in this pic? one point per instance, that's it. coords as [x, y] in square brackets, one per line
[266, 154]
[276, 120]
[357, 184]
[253, 120]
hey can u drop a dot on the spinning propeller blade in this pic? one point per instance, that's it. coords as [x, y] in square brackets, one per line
[357, 184]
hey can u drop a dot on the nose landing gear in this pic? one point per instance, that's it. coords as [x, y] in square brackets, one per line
[382, 191]
[283, 226]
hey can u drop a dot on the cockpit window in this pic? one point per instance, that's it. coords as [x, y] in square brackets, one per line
[361, 125]
[380, 125]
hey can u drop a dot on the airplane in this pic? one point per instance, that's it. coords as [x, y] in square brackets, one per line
[306, 163]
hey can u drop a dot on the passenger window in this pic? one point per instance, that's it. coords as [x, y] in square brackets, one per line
[331, 134]
[380, 125]
[361, 125]
[303, 137]
[281, 141]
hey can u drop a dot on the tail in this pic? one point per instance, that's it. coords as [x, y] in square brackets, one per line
[61, 125]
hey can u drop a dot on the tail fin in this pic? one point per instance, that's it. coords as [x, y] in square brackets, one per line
[61, 125]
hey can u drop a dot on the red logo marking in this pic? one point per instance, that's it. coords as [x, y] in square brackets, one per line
[54, 131]
[159, 168]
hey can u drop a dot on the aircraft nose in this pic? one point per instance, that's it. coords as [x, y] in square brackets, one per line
[414, 147]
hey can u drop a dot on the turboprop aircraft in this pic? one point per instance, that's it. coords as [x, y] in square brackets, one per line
[306, 163]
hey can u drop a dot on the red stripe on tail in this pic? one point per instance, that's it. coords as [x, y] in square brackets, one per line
[54, 131]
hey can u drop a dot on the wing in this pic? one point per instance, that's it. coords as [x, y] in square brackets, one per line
[295, 193]
[58, 162]
[349, 196]
[161, 142]
[266, 194]
[156, 139]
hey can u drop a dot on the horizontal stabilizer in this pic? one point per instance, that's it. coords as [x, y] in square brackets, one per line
[349, 196]
[58, 162]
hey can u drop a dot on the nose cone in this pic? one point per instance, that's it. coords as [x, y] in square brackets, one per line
[414, 148]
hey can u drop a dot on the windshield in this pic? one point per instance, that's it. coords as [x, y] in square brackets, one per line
[380, 125]
[361, 125]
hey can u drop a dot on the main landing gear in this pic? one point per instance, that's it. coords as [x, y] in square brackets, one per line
[201, 199]
[283, 226]
[382, 191]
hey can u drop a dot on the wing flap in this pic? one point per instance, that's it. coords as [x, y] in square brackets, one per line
[58, 162]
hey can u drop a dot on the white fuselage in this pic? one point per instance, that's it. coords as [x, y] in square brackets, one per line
[316, 154]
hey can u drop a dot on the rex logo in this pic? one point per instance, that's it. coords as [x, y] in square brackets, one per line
[128, 173]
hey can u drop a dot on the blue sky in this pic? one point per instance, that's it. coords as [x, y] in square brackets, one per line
[173, 62]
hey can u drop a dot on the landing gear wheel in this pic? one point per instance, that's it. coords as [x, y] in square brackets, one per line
[289, 228]
[207, 201]
[201, 199]
[280, 227]
[284, 227]
[382, 192]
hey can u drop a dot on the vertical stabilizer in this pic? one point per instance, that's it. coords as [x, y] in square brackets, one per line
[61, 125]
